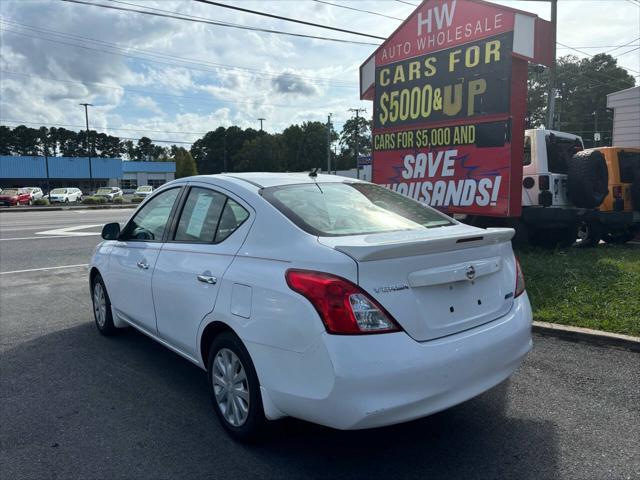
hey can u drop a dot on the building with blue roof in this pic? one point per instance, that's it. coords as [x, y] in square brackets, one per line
[18, 171]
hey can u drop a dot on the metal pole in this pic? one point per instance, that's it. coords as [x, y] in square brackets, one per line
[357, 131]
[46, 166]
[225, 151]
[551, 99]
[261, 120]
[86, 116]
[329, 144]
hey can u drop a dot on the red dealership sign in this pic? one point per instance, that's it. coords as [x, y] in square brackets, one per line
[449, 93]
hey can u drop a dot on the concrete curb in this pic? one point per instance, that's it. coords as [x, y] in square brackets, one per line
[53, 209]
[578, 334]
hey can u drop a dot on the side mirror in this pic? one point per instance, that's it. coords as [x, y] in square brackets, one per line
[111, 231]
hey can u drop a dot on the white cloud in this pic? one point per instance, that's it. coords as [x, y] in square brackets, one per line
[188, 83]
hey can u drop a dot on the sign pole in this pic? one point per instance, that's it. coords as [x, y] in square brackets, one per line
[551, 100]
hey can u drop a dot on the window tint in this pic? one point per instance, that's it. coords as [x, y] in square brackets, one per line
[232, 217]
[526, 159]
[150, 222]
[200, 215]
[559, 152]
[333, 209]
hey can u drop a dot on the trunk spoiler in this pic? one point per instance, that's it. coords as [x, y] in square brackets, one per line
[394, 249]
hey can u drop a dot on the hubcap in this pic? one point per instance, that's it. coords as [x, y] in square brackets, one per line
[99, 304]
[230, 387]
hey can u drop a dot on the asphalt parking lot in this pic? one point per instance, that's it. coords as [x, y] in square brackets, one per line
[78, 405]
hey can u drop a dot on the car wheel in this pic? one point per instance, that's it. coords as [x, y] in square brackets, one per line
[66, 200]
[234, 388]
[30, 202]
[619, 237]
[102, 308]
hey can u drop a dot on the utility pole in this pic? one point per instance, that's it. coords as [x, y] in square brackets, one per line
[46, 164]
[551, 95]
[261, 120]
[357, 131]
[328, 144]
[86, 117]
[225, 151]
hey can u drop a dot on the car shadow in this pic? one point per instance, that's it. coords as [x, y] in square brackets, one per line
[78, 405]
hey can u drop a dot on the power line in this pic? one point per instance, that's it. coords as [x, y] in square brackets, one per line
[593, 55]
[190, 18]
[623, 45]
[359, 10]
[628, 51]
[407, 3]
[163, 56]
[287, 19]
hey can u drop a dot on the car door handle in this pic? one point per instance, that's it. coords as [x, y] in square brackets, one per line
[207, 279]
[142, 264]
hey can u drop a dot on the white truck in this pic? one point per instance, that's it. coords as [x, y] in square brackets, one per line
[561, 187]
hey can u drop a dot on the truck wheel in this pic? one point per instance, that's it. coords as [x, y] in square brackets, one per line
[588, 182]
[554, 237]
[619, 237]
[589, 234]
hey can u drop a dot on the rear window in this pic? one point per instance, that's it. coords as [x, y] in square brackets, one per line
[629, 164]
[337, 209]
[559, 151]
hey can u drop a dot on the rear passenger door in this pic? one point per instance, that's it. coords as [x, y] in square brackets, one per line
[206, 235]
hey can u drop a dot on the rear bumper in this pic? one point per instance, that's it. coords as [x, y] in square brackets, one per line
[377, 380]
[556, 217]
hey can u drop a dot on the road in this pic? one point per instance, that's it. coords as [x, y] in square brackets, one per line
[74, 404]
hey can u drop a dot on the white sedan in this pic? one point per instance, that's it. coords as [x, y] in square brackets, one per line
[65, 195]
[318, 297]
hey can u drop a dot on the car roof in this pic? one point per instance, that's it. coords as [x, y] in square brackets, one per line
[270, 179]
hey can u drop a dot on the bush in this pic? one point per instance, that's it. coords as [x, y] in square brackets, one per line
[136, 199]
[94, 200]
[118, 200]
[41, 201]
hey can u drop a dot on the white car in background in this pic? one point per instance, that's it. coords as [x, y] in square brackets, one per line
[65, 195]
[328, 299]
[143, 191]
[109, 193]
[36, 193]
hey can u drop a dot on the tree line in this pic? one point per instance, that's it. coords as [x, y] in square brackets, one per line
[232, 149]
[582, 88]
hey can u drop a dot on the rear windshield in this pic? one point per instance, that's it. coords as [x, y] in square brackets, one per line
[144, 189]
[104, 190]
[336, 209]
[559, 152]
[629, 165]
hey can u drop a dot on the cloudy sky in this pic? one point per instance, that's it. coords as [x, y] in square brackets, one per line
[174, 80]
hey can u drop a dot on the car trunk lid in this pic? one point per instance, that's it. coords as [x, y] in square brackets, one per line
[435, 282]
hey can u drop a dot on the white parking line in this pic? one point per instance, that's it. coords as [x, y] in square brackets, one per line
[45, 268]
[34, 238]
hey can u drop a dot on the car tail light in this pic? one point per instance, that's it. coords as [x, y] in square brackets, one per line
[617, 191]
[543, 182]
[344, 308]
[519, 279]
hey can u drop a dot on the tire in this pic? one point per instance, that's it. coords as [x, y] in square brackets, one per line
[553, 237]
[588, 182]
[619, 237]
[102, 308]
[246, 421]
[66, 200]
[30, 202]
[589, 234]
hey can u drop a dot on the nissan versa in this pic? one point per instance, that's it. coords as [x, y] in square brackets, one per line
[318, 297]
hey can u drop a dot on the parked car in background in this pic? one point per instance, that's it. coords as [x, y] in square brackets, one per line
[324, 298]
[65, 195]
[15, 196]
[109, 193]
[143, 191]
[36, 193]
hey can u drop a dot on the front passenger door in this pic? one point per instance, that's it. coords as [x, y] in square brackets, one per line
[133, 259]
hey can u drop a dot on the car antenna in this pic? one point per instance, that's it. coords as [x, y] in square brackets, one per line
[314, 174]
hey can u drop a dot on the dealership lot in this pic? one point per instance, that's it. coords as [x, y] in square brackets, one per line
[77, 405]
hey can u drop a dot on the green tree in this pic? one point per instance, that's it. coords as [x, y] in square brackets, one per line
[355, 128]
[185, 164]
[5, 140]
[582, 89]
